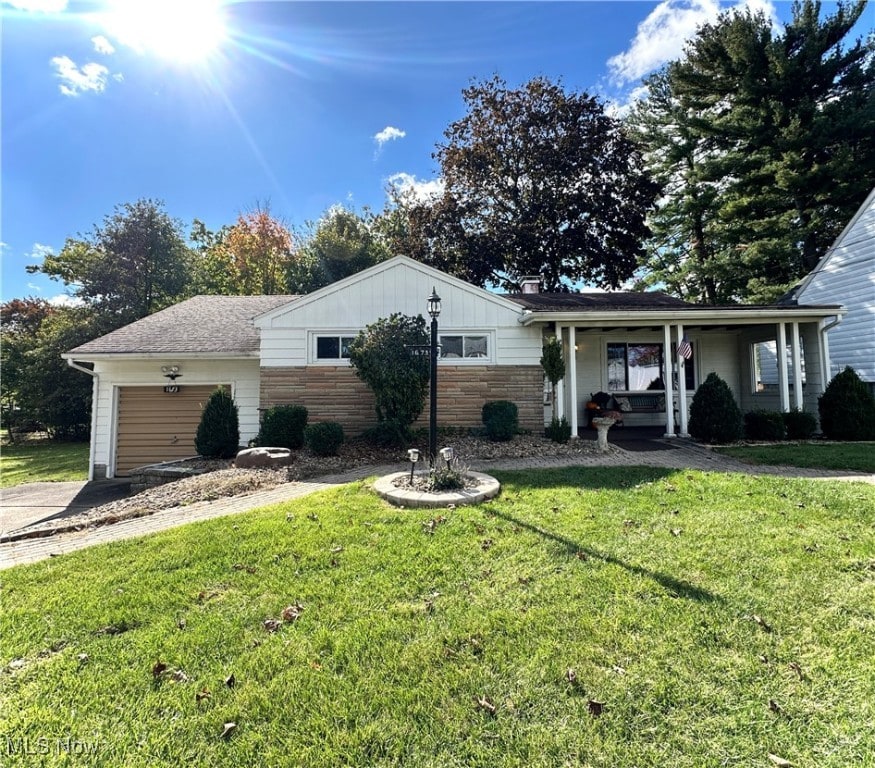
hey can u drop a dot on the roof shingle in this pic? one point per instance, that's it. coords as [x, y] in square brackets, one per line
[203, 324]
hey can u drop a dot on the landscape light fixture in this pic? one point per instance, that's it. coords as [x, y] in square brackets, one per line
[434, 309]
[447, 455]
[413, 456]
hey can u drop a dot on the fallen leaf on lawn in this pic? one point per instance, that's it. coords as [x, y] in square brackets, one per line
[179, 676]
[675, 531]
[581, 555]
[571, 676]
[292, 612]
[630, 523]
[595, 707]
[619, 670]
[485, 544]
[774, 706]
[202, 694]
[230, 681]
[780, 761]
[335, 550]
[228, 730]
[272, 625]
[159, 669]
[763, 659]
[242, 567]
[82, 657]
[761, 623]
[181, 624]
[315, 665]
[797, 669]
[484, 703]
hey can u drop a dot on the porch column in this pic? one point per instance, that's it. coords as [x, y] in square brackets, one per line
[796, 348]
[560, 385]
[572, 384]
[783, 383]
[823, 338]
[682, 384]
[669, 386]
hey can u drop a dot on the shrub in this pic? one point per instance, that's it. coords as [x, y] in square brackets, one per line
[764, 425]
[218, 434]
[382, 357]
[283, 426]
[387, 434]
[714, 414]
[501, 418]
[553, 363]
[847, 408]
[324, 438]
[800, 425]
[559, 430]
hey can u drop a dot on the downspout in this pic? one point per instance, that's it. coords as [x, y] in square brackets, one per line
[823, 327]
[95, 387]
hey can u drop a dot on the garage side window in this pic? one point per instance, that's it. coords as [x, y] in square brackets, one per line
[333, 347]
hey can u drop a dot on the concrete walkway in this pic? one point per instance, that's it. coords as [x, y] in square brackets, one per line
[675, 454]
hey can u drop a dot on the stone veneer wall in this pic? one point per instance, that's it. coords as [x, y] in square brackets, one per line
[335, 393]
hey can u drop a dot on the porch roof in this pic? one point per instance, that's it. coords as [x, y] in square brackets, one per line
[656, 308]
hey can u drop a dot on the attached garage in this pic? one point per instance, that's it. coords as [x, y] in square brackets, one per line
[154, 425]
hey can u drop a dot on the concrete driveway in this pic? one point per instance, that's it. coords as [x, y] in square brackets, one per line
[24, 505]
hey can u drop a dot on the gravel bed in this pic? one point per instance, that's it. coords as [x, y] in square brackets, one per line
[223, 480]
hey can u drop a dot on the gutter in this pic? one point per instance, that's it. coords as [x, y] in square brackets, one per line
[95, 388]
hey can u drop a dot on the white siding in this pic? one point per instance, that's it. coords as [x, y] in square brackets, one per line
[847, 276]
[241, 375]
[399, 286]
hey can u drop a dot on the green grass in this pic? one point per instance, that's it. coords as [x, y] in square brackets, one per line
[644, 582]
[43, 461]
[858, 457]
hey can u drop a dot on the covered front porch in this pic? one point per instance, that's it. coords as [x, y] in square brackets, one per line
[651, 361]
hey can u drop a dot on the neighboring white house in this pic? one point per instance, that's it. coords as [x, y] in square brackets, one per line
[846, 275]
[152, 377]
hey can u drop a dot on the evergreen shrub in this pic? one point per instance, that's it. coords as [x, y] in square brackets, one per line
[800, 425]
[218, 433]
[501, 418]
[764, 425]
[559, 430]
[714, 414]
[283, 426]
[847, 408]
[387, 434]
[323, 438]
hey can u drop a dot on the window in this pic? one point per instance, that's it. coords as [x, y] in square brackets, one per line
[474, 346]
[634, 367]
[764, 359]
[333, 347]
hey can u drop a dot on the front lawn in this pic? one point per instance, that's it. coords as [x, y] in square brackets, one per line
[859, 457]
[43, 461]
[589, 617]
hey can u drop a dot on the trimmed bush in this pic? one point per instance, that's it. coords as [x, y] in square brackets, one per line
[847, 408]
[714, 414]
[559, 430]
[764, 425]
[218, 433]
[283, 427]
[800, 425]
[501, 419]
[323, 438]
[387, 434]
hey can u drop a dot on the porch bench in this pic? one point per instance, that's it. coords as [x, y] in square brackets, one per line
[642, 402]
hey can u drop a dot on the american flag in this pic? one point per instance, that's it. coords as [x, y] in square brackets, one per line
[685, 349]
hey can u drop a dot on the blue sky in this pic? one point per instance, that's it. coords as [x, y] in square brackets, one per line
[215, 106]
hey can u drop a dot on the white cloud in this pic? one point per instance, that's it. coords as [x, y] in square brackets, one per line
[102, 45]
[661, 36]
[40, 251]
[407, 185]
[66, 300]
[38, 6]
[75, 80]
[35, 287]
[389, 133]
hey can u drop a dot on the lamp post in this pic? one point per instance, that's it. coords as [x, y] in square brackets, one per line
[434, 309]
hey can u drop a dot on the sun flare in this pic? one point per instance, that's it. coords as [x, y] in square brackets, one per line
[183, 31]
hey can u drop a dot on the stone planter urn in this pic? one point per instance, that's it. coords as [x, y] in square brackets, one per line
[603, 424]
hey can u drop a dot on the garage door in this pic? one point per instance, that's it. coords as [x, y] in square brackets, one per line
[156, 426]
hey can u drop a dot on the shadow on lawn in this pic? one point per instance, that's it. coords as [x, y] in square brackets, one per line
[675, 586]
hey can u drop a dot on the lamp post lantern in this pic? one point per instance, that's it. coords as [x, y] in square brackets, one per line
[434, 309]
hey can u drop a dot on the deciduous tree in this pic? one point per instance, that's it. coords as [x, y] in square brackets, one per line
[537, 181]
